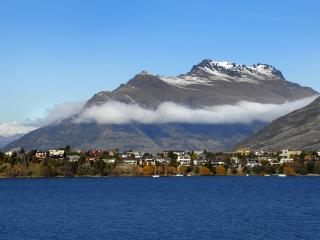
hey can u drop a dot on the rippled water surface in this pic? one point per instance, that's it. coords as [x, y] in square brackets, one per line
[160, 208]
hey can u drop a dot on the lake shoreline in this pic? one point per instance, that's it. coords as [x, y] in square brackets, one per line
[164, 176]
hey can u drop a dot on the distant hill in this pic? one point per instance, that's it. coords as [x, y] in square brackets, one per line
[207, 84]
[10, 132]
[297, 130]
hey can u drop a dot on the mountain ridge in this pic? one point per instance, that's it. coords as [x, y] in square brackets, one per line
[199, 89]
[299, 129]
[229, 84]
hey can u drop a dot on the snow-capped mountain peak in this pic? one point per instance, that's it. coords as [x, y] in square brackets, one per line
[228, 69]
[208, 72]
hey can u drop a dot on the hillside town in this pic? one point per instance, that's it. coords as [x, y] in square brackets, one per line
[242, 162]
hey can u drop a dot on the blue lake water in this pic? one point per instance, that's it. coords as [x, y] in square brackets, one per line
[160, 208]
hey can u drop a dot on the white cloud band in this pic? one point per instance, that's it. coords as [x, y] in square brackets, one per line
[114, 112]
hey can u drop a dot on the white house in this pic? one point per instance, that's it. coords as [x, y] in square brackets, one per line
[201, 159]
[252, 164]
[287, 156]
[8, 154]
[109, 161]
[259, 153]
[137, 155]
[12, 151]
[130, 161]
[235, 160]
[40, 155]
[56, 153]
[184, 159]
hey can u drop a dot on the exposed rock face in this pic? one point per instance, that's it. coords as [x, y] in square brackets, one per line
[297, 130]
[208, 83]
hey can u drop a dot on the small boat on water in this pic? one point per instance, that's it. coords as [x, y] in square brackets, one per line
[282, 175]
[155, 175]
[179, 175]
[267, 175]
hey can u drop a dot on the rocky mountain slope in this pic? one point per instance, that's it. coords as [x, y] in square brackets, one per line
[297, 130]
[142, 137]
[207, 84]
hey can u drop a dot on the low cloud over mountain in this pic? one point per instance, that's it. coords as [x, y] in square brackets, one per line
[114, 112]
[10, 132]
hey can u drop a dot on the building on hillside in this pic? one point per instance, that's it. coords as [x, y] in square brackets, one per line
[9, 153]
[179, 152]
[271, 159]
[130, 161]
[217, 162]
[131, 154]
[287, 156]
[244, 151]
[149, 161]
[176, 152]
[109, 161]
[54, 153]
[253, 163]
[112, 152]
[295, 152]
[12, 151]
[221, 159]
[73, 158]
[96, 153]
[40, 155]
[235, 160]
[137, 155]
[184, 159]
[162, 160]
[91, 159]
[259, 153]
[200, 160]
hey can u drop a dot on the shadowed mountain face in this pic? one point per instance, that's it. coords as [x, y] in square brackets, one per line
[150, 137]
[297, 130]
[6, 140]
[207, 84]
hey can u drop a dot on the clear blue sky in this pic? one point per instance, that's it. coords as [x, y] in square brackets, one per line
[65, 50]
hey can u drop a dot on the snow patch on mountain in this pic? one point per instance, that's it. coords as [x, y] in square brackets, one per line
[209, 71]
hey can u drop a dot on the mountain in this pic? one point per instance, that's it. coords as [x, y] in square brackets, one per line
[10, 132]
[210, 83]
[297, 130]
[142, 137]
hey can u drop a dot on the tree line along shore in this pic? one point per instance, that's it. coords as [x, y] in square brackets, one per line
[66, 162]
